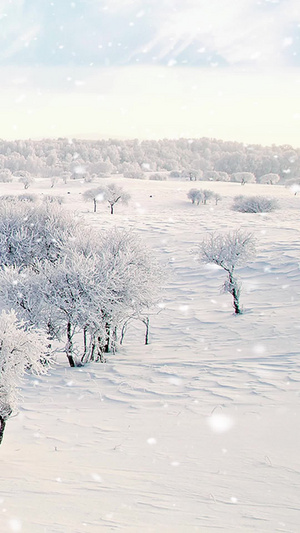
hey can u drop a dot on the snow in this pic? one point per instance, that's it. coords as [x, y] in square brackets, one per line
[198, 431]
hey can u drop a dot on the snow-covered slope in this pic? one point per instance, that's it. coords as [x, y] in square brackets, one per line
[199, 431]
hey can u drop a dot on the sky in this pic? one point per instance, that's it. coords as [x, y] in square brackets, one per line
[152, 69]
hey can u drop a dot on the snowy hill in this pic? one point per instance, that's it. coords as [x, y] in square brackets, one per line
[197, 431]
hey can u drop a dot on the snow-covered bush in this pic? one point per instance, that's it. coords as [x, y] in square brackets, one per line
[228, 251]
[200, 195]
[254, 204]
[21, 350]
[53, 199]
[27, 198]
[135, 175]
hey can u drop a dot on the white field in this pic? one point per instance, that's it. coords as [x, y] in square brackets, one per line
[200, 430]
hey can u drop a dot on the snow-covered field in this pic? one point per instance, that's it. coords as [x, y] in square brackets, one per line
[200, 430]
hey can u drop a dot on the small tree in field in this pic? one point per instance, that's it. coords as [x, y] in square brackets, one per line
[114, 193]
[20, 350]
[217, 197]
[94, 195]
[228, 251]
[25, 178]
[195, 195]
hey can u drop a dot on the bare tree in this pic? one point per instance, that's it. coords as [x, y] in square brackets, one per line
[228, 251]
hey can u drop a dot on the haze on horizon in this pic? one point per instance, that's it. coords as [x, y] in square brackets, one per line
[151, 69]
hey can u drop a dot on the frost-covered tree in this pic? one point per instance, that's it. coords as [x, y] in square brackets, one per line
[134, 273]
[25, 177]
[114, 193]
[65, 176]
[33, 233]
[217, 197]
[84, 298]
[214, 175]
[195, 195]
[111, 193]
[228, 251]
[21, 350]
[94, 195]
[269, 178]
[243, 177]
[207, 195]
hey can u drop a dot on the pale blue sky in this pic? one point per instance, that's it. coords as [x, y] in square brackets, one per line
[151, 68]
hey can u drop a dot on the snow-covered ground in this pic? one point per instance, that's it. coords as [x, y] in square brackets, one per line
[200, 430]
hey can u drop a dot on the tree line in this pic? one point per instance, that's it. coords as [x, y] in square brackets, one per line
[74, 158]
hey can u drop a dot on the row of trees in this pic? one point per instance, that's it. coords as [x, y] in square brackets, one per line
[244, 204]
[74, 290]
[79, 158]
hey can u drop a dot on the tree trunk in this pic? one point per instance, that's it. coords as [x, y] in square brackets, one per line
[2, 427]
[95, 205]
[69, 346]
[235, 294]
[107, 342]
[100, 352]
[111, 209]
[147, 324]
[84, 355]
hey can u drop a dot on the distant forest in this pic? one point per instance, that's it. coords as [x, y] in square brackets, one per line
[190, 158]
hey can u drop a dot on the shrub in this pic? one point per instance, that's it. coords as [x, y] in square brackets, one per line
[27, 197]
[54, 199]
[254, 204]
[134, 175]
